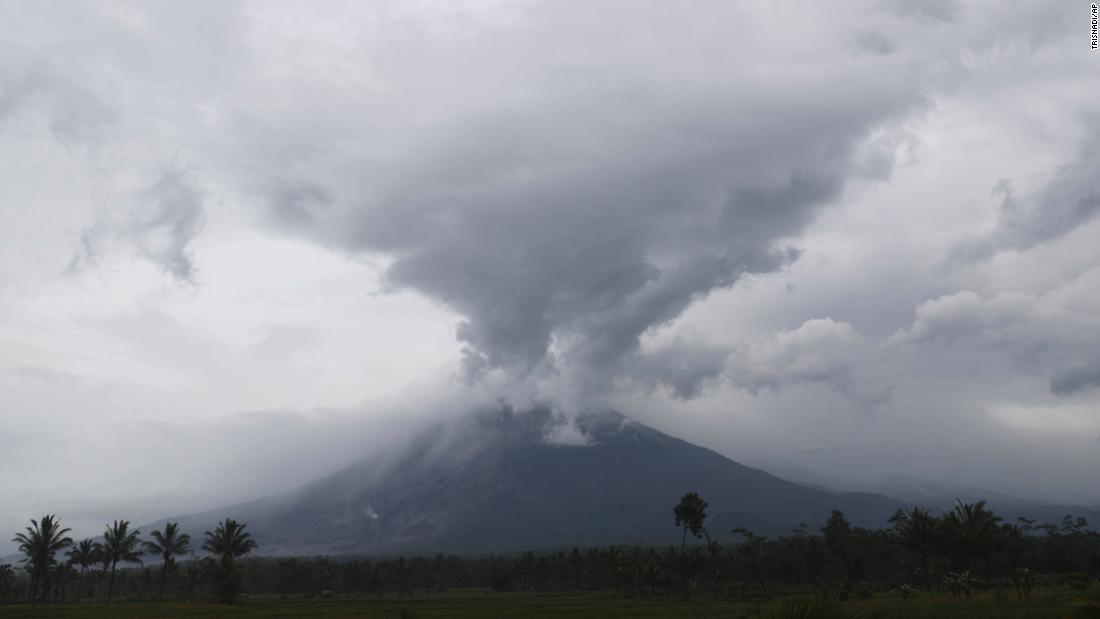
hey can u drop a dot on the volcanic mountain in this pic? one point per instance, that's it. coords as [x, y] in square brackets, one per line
[505, 480]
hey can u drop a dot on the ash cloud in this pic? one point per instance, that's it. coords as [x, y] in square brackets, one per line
[583, 192]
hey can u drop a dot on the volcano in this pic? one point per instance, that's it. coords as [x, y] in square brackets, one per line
[504, 480]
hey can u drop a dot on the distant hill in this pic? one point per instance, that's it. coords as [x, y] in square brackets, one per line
[502, 480]
[941, 498]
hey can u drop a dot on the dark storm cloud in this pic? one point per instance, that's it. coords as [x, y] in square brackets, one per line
[595, 187]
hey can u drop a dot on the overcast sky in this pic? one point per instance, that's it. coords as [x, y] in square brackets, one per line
[243, 244]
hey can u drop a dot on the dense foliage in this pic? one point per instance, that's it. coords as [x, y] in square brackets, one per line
[92, 567]
[962, 550]
[917, 552]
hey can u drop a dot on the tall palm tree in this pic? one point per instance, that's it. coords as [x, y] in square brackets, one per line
[229, 541]
[167, 545]
[43, 539]
[120, 544]
[83, 555]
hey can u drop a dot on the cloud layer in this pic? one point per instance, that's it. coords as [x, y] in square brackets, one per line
[765, 227]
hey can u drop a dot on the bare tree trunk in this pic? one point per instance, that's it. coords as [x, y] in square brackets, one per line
[163, 575]
[46, 586]
[111, 585]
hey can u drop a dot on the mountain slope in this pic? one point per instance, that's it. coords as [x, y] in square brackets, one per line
[503, 480]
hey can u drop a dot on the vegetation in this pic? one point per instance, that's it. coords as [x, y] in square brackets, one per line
[39, 544]
[228, 542]
[167, 545]
[119, 544]
[691, 513]
[82, 555]
[967, 562]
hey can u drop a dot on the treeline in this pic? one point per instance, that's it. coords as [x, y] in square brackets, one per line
[90, 568]
[967, 548]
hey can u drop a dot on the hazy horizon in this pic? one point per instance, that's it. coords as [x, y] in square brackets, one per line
[244, 244]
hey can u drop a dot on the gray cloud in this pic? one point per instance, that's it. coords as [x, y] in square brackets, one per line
[298, 204]
[168, 217]
[820, 351]
[935, 11]
[873, 42]
[585, 192]
[1029, 334]
[573, 183]
[72, 110]
[158, 222]
[685, 367]
[1068, 200]
[1074, 379]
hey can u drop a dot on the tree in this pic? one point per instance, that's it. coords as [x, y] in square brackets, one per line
[228, 541]
[975, 528]
[104, 561]
[120, 544]
[167, 545]
[42, 540]
[84, 556]
[690, 515]
[837, 534]
[918, 531]
[62, 575]
[6, 576]
[753, 549]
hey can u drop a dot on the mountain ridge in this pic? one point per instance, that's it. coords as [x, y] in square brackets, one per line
[501, 480]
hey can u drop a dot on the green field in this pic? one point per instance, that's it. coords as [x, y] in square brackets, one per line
[1042, 604]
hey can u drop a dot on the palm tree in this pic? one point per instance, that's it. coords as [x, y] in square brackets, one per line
[229, 541]
[975, 528]
[83, 555]
[167, 545]
[120, 544]
[43, 539]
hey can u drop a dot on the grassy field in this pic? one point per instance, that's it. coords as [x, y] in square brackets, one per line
[1043, 604]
